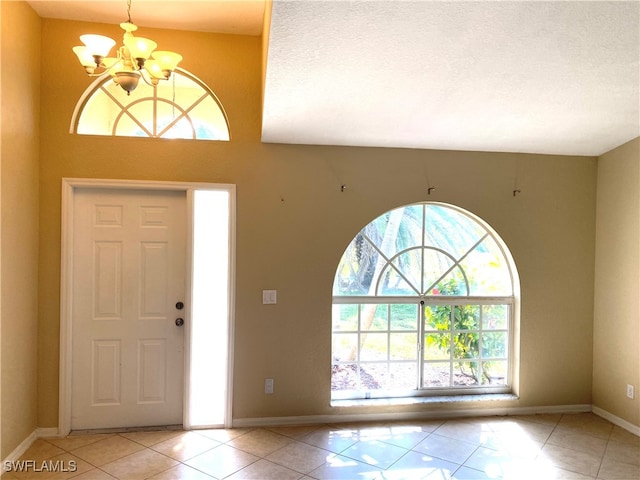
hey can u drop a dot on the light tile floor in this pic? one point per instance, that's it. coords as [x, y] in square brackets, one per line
[536, 447]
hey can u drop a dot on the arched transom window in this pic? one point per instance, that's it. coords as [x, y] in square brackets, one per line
[182, 107]
[423, 303]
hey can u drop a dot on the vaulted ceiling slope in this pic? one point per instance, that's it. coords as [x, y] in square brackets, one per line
[556, 77]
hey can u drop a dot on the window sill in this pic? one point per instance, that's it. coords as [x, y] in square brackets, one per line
[385, 402]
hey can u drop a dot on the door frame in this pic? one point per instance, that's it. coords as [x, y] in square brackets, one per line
[69, 187]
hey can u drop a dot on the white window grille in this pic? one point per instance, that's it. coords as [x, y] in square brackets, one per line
[423, 303]
[182, 107]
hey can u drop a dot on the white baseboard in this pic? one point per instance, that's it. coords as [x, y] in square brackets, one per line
[48, 432]
[20, 449]
[390, 416]
[580, 408]
[622, 423]
[51, 432]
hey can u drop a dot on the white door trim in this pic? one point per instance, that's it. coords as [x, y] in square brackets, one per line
[69, 186]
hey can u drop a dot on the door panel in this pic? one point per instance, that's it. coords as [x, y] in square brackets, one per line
[108, 280]
[152, 356]
[128, 274]
[105, 375]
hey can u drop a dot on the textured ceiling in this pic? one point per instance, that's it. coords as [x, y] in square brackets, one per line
[523, 76]
[542, 77]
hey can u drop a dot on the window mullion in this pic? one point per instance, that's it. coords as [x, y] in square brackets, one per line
[452, 344]
[422, 243]
[155, 112]
[458, 261]
[421, 330]
[388, 383]
[480, 356]
[358, 345]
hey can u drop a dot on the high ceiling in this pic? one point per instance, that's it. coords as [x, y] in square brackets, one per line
[557, 77]
[243, 17]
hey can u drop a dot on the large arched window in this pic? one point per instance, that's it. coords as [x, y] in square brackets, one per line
[423, 303]
[182, 107]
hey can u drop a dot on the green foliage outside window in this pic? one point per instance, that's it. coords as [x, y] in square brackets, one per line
[464, 336]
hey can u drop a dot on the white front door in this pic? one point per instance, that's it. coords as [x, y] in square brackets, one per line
[128, 281]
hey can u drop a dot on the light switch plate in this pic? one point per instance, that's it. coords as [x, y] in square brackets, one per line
[269, 297]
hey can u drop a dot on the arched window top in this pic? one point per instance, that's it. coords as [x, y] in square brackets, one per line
[182, 107]
[425, 250]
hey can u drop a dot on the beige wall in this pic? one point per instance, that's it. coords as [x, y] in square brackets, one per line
[294, 245]
[19, 256]
[617, 283]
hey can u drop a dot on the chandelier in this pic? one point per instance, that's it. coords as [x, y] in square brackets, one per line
[136, 59]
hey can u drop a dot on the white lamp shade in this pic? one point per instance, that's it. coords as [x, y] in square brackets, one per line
[98, 44]
[154, 69]
[85, 57]
[167, 60]
[139, 47]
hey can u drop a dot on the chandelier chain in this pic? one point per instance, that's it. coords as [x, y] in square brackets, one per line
[129, 11]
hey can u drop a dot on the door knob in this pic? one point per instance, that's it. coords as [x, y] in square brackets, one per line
[179, 322]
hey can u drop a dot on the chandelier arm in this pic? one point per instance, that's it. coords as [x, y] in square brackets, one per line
[151, 81]
[98, 74]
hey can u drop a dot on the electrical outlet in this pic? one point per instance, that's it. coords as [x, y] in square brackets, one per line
[268, 386]
[631, 391]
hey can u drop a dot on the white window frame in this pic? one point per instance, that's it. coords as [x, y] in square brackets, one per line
[421, 301]
[156, 131]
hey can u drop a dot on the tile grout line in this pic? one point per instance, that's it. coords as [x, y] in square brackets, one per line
[586, 427]
[604, 453]
[580, 451]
